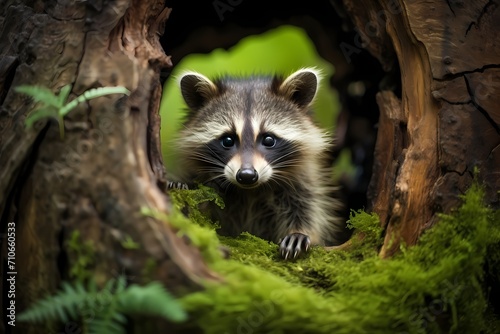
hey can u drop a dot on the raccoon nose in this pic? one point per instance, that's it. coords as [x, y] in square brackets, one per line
[247, 176]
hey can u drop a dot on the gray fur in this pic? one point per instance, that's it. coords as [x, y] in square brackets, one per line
[294, 193]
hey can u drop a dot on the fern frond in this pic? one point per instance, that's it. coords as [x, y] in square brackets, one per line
[64, 305]
[120, 318]
[40, 94]
[102, 91]
[121, 284]
[109, 320]
[44, 112]
[151, 299]
[72, 301]
[92, 94]
[63, 94]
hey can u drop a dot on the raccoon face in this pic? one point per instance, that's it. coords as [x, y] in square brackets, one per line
[254, 157]
[249, 132]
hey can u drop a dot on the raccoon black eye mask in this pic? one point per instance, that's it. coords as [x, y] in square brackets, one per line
[253, 140]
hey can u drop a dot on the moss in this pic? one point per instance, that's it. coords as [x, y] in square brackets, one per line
[202, 234]
[436, 286]
[191, 200]
[204, 238]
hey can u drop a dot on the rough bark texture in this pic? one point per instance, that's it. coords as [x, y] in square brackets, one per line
[447, 120]
[109, 164]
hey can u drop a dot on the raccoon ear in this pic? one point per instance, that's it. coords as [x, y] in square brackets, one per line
[197, 89]
[300, 86]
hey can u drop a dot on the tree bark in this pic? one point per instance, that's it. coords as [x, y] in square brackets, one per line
[107, 167]
[446, 122]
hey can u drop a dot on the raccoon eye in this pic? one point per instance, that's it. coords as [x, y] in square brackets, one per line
[227, 141]
[268, 141]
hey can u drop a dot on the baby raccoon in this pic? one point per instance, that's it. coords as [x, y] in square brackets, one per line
[253, 140]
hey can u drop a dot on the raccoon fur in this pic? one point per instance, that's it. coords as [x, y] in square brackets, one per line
[254, 141]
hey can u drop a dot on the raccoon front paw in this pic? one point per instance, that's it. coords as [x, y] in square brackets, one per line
[293, 244]
[177, 185]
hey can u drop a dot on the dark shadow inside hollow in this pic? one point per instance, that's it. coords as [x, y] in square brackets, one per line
[358, 75]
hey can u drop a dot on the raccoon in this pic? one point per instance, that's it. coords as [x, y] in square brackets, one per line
[253, 140]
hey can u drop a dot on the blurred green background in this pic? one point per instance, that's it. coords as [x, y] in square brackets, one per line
[282, 50]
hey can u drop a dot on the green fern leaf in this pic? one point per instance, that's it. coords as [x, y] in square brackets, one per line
[92, 286]
[121, 284]
[109, 320]
[120, 318]
[44, 112]
[63, 94]
[40, 94]
[151, 299]
[73, 300]
[92, 94]
[102, 91]
[64, 305]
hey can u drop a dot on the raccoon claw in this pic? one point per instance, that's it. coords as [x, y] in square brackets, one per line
[177, 185]
[293, 244]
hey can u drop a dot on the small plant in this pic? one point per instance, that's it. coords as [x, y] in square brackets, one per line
[83, 255]
[56, 106]
[129, 243]
[103, 311]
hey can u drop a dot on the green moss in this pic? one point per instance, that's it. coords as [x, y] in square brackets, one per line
[202, 234]
[191, 200]
[436, 286]
[367, 225]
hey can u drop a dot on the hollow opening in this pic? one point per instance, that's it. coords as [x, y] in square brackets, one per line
[356, 76]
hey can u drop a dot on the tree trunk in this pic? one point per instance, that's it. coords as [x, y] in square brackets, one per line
[107, 167]
[446, 122]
